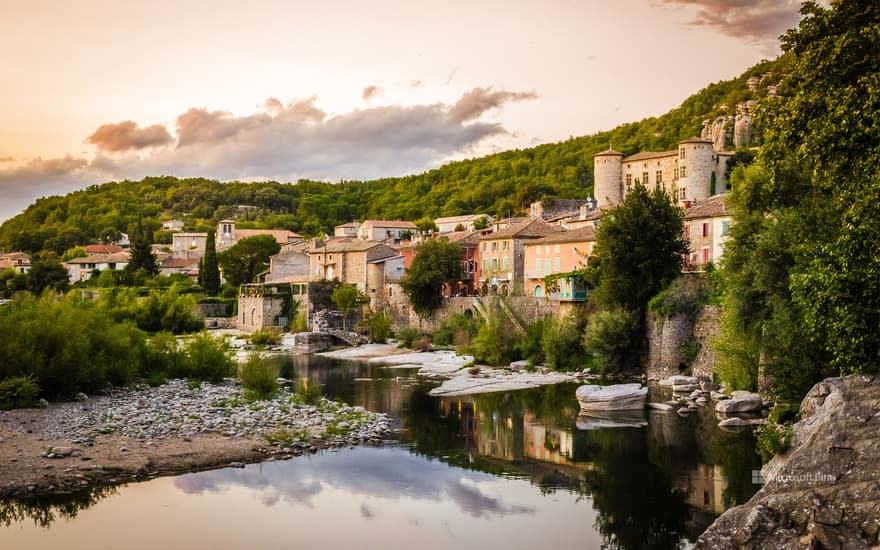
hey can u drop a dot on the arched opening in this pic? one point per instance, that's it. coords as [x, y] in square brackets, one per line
[539, 291]
[254, 316]
[504, 290]
[469, 314]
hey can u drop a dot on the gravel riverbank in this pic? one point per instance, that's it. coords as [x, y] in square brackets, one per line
[139, 432]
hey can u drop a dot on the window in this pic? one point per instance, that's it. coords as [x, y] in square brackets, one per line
[539, 292]
[330, 257]
[682, 194]
[494, 245]
[658, 176]
[556, 249]
[706, 256]
[682, 172]
[675, 174]
[494, 264]
[504, 264]
[504, 247]
[725, 227]
[546, 266]
[485, 264]
[537, 265]
[681, 153]
[484, 247]
[687, 231]
[644, 178]
[705, 229]
[538, 250]
[556, 265]
[546, 249]
[629, 180]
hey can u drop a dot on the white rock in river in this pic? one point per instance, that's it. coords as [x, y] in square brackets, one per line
[740, 401]
[679, 380]
[614, 397]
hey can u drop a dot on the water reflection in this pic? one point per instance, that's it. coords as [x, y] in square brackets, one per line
[653, 481]
[45, 510]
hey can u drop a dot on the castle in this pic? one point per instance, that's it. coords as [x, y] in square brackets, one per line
[692, 172]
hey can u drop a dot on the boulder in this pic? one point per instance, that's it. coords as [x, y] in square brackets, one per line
[613, 397]
[740, 401]
[680, 380]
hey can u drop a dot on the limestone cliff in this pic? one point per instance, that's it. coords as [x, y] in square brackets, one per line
[824, 492]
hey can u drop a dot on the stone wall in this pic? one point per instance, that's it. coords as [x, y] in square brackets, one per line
[257, 312]
[667, 336]
[213, 310]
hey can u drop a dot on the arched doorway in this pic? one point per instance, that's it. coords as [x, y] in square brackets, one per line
[538, 292]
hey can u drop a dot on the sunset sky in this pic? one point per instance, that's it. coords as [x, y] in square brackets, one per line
[97, 90]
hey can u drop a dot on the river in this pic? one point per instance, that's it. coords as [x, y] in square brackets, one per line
[503, 470]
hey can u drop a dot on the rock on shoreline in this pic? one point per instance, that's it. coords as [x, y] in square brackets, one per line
[825, 491]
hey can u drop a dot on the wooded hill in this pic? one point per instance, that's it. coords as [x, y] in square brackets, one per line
[499, 184]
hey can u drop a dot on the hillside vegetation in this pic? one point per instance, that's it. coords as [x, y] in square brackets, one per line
[498, 184]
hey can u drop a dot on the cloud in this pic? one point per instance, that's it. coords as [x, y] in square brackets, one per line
[21, 184]
[415, 84]
[479, 100]
[370, 92]
[279, 141]
[756, 21]
[7, 159]
[125, 136]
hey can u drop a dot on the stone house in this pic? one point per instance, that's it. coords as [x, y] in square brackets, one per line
[184, 266]
[706, 226]
[172, 225]
[80, 269]
[349, 229]
[380, 230]
[501, 265]
[228, 234]
[692, 172]
[353, 261]
[561, 252]
[18, 261]
[189, 244]
[449, 224]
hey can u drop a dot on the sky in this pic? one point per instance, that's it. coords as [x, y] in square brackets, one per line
[100, 90]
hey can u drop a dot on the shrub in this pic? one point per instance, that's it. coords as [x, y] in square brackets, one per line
[376, 325]
[266, 337]
[259, 374]
[423, 343]
[529, 346]
[300, 323]
[208, 358]
[783, 413]
[456, 329]
[562, 344]
[688, 351]
[496, 340]
[773, 439]
[612, 337]
[683, 296]
[18, 392]
[308, 394]
[163, 358]
[407, 336]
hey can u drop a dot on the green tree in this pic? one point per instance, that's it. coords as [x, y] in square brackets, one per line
[347, 298]
[426, 225]
[481, 223]
[437, 262]
[802, 265]
[75, 252]
[209, 270]
[246, 258]
[47, 272]
[639, 249]
[142, 257]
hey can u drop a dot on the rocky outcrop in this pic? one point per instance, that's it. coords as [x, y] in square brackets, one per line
[824, 492]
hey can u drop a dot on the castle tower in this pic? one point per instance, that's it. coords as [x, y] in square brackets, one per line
[607, 178]
[695, 166]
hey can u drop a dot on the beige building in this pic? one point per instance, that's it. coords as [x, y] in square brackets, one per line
[561, 252]
[349, 229]
[80, 269]
[18, 261]
[189, 244]
[380, 230]
[706, 226]
[228, 234]
[501, 256]
[353, 261]
[449, 224]
[691, 173]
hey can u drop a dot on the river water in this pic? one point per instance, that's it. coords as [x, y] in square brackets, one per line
[504, 470]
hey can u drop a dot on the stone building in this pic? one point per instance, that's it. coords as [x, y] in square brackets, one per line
[380, 230]
[692, 172]
[228, 234]
[561, 252]
[355, 262]
[500, 269]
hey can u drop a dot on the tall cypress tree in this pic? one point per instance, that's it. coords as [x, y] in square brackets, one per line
[141, 254]
[209, 272]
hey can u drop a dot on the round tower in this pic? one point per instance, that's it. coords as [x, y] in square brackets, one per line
[607, 187]
[695, 166]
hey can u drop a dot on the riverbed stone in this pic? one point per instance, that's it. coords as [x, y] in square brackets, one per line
[740, 401]
[679, 380]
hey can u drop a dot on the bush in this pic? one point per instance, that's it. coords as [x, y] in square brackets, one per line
[773, 439]
[562, 344]
[612, 337]
[683, 297]
[18, 392]
[689, 350]
[307, 394]
[265, 337]
[68, 345]
[529, 346]
[376, 325]
[407, 336]
[300, 323]
[208, 358]
[456, 329]
[163, 358]
[496, 340]
[259, 374]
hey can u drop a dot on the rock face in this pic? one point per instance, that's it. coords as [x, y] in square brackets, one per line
[824, 492]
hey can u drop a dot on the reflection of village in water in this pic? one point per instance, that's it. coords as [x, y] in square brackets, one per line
[683, 471]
